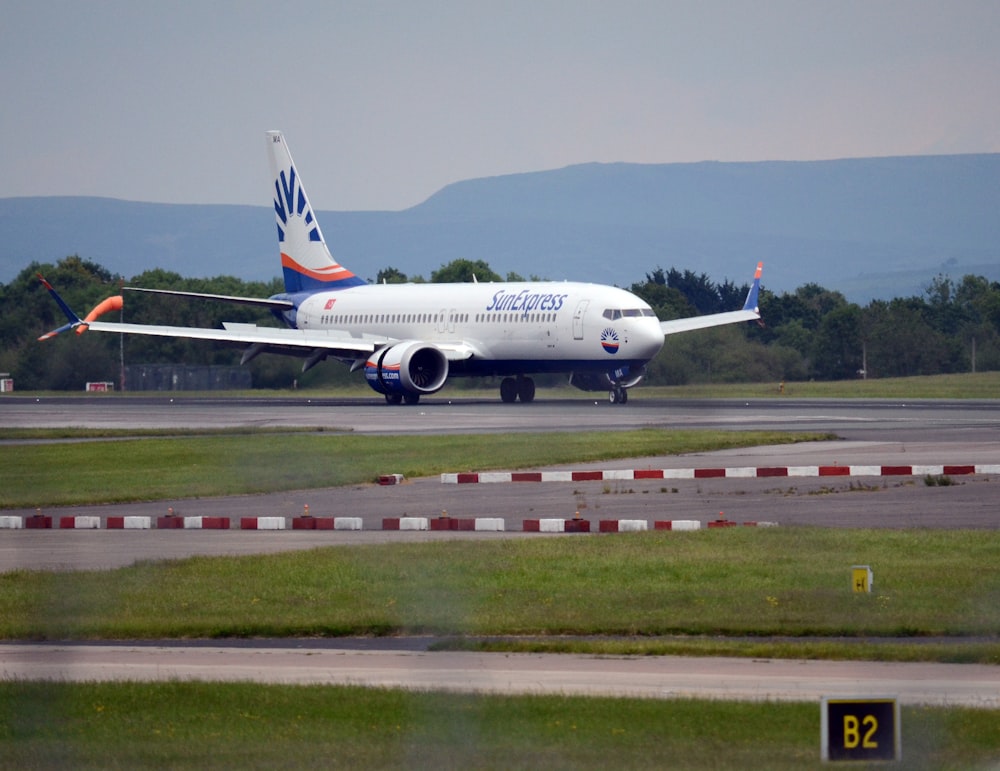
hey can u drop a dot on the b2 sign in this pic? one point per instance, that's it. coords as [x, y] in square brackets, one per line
[865, 729]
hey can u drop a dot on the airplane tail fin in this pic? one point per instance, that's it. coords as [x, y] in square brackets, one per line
[306, 262]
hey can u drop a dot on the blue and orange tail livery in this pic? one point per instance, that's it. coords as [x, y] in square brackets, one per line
[306, 262]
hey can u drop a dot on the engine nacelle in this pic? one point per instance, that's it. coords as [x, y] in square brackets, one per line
[624, 377]
[409, 367]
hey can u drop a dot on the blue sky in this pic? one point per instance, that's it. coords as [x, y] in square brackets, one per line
[385, 102]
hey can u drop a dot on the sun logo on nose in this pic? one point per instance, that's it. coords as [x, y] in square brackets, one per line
[609, 340]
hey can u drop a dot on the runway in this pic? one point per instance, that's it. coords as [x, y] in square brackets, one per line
[949, 421]
[657, 677]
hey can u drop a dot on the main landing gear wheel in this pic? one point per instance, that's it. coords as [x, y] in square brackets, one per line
[512, 389]
[618, 395]
[525, 389]
[407, 398]
[508, 390]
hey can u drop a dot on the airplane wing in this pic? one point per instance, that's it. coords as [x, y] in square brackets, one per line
[316, 345]
[273, 339]
[749, 312]
[297, 342]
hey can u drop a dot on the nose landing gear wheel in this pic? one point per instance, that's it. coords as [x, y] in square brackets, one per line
[618, 395]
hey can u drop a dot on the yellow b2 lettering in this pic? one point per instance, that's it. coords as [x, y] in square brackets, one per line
[852, 732]
[872, 722]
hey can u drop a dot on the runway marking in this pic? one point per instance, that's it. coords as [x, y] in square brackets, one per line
[739, 472]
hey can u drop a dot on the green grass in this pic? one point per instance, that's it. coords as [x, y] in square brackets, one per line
[67, 432]
[646, 589]
[65, 473]
[981, 385]
[242, 725]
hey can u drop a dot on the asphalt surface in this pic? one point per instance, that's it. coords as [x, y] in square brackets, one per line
[633, 676]
[852, 419]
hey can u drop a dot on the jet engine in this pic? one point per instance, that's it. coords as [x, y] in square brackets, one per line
[407, 368]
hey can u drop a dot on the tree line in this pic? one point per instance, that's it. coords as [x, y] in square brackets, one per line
[811, 333]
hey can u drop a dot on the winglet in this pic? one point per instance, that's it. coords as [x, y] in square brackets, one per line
[74, 320]
[751, 301]
[113, 303]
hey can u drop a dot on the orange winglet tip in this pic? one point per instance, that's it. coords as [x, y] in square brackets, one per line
[109, 304]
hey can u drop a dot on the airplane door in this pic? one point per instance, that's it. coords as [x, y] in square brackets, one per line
[581, 309]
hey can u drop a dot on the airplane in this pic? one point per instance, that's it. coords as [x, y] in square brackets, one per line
[410, 338]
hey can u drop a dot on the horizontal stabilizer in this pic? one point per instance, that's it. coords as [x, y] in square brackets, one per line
[259, 302]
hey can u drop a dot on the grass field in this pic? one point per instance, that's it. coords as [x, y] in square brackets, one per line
[635, 587]
[659, 592]
[203, 465]
[249, 726]
[979, 385]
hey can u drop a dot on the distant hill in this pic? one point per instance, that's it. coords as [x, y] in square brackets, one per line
[878, 227]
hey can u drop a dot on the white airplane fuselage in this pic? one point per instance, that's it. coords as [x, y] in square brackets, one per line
[508, 328]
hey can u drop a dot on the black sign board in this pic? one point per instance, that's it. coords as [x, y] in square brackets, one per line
[861, 729]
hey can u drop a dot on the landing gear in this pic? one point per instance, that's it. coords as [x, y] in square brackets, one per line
[618, 395]
[525, 389]
[508, 390]
[512, 389]
[407, 398]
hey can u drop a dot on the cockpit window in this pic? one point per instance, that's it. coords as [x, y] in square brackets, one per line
[613, 314]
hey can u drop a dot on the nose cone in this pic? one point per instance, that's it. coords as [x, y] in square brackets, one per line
[645, 338]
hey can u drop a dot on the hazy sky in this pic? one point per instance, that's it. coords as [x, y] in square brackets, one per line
[383, 103]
